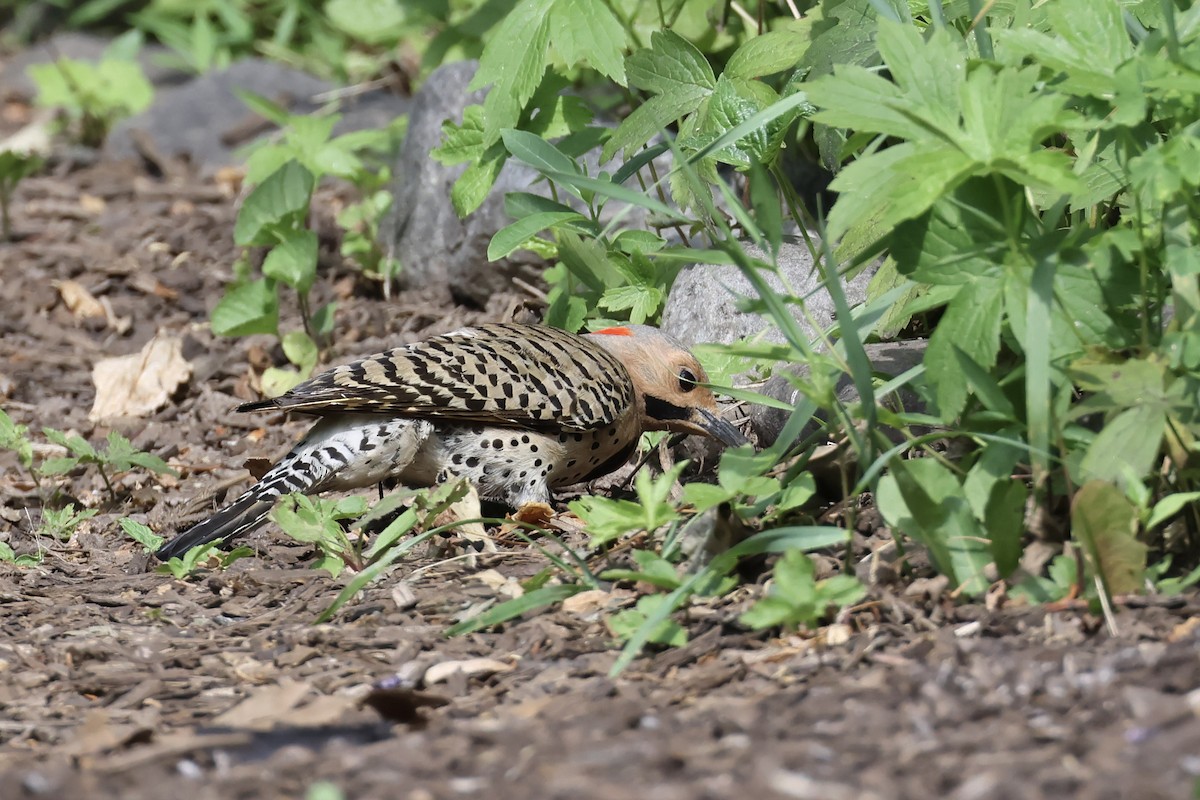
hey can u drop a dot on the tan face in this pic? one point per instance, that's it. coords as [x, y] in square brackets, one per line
[675, 402]
[666, 376]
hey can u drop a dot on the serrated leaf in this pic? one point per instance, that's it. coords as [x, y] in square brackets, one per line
[671, 65]
[513, 62]
[971, 325]
[587, 32]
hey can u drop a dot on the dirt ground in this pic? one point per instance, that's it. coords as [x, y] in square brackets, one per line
[119, 682]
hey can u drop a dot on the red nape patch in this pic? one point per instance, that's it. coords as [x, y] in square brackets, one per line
[615, 331]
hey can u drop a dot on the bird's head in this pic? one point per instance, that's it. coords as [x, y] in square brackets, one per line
[666, 377]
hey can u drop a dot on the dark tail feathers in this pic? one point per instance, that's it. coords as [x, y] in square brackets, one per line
[244, 515]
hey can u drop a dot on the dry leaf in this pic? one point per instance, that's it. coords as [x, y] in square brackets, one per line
[586, 604]
[500, 584]
[91, 204]
[79, 300]
[142, 383]
[265, 706]
[471, 666]
[534, 514]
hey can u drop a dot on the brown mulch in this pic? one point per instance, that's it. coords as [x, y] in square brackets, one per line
[118, 682]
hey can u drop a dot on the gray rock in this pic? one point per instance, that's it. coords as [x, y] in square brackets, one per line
[702, 304]
[887, 358]
[201, 119]
[435, 248]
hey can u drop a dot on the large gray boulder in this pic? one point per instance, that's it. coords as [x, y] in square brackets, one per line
[702, 304]
[435, 248]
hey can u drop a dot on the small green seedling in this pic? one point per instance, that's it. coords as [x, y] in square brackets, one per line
[8, 556]
[180, 566]
[317, 522]
[118, 456]
[625, 624]
[95, 95]
[797, 599]
[608, 520]
[61, 523]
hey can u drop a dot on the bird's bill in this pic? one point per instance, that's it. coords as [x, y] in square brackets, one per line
[707, 423]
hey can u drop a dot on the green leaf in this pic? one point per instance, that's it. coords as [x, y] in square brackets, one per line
[511, 237]
[513, 62]
[148, 539]
[587, 32]
[1169, 506]
[278, 203]
[1004, 521]
[301, 350]
[971, 325]
[923, 499]
[725, 110]
[1105, 523]
[642, 302]
[371, 21]
[247, 308]
[536, 152]
[1127, 444]
[278, 381]
[294, 260]
[626, 624]
[767, 54]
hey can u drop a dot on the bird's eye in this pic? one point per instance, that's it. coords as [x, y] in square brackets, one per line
[687, 380]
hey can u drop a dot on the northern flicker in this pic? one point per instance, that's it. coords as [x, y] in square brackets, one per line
[515, 409]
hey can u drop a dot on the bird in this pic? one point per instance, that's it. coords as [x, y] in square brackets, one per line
[515, 409]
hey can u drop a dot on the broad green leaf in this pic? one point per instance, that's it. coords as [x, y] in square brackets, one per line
[642, 302]
[472, 187]
[371, 21]
[536, 152]
[281, 201]
[1105, 523]
[724, 111]
[294, 260]
[894, 185]
[141, 534]
[654, 115]
[1128, 443]
[461, 142]
[301, 350]
[924, 500]
[625, 624]
[511, 237]
[247, 308]
[1169, 506]
[767, 54]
